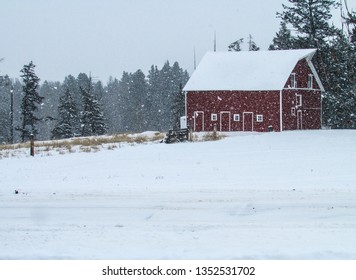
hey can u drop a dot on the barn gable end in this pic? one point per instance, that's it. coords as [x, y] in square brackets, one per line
[301, 102]
[254, 91]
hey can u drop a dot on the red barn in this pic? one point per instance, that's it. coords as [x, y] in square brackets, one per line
[254, 91]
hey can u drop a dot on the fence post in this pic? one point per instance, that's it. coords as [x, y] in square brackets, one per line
[32, 145]
[190, 131]
[215, 132]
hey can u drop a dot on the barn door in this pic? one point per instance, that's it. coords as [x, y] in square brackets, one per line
[299, 119]
[247, 121]
[225, 121]
[198, 121]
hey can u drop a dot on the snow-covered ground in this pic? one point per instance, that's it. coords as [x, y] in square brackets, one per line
[289, 195]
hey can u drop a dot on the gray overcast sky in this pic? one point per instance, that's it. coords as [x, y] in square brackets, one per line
[107, 37]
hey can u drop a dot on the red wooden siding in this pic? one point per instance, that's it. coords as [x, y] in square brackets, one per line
[310, 109]
[302, 71]
[227, 103]
[308, 114]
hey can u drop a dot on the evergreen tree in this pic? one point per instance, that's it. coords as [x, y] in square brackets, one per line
[350, 21]
[138, 91]
[16, 87]
[283, 40]
[179, 78]
[252, 46]
[67, 116]
[92, 117]
[5, 109]
[98, 90]
[339, 102]
[112, 104]
[71, 83]
[166, 91]
[310, 20]
[126, 106]
[335, 60]
[30, 101]
[236, 46]
[178, 107]
[154, 95]
[51, 93]
[83, 81]
[163, 86]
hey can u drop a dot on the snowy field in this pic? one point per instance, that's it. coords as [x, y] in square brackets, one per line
[289, 195]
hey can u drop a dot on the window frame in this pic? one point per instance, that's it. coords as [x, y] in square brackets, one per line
[259, 118]
[310, 81]
[293, 80]
[292, 111]
[214, 117]
[236, 117]
[298, 100]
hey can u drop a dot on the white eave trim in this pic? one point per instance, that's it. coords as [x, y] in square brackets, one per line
[315, 73]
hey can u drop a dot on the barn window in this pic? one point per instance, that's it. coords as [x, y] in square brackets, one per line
[292, 111]
[310, 81]
[293, 80]
[236, 117]
[259, 118]
[298, 100]
[214, 117]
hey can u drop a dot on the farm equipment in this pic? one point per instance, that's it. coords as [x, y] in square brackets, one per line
[176, 135]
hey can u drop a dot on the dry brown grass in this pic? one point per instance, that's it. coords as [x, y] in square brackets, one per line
[157, 136]
[94, 144]
[213, 136]
[14, 146]
[85, 144]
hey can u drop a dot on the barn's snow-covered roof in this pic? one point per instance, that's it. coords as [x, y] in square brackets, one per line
[246, 70]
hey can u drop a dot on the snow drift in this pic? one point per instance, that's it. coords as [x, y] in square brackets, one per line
[289, 195]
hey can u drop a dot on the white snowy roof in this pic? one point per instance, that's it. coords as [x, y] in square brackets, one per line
[246, 70]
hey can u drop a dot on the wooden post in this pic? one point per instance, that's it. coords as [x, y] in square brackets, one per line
[32, 145]
[12, 114]
[190, 137]
[215, 133]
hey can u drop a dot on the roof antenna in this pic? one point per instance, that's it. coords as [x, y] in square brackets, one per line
[215, 41]
[195, 61]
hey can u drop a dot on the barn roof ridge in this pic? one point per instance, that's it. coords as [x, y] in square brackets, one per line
[247, 70]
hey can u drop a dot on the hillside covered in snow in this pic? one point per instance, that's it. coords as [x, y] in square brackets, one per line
[289, 195]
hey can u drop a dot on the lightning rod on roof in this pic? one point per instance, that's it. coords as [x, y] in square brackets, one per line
[195, 61]
[215, 41]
